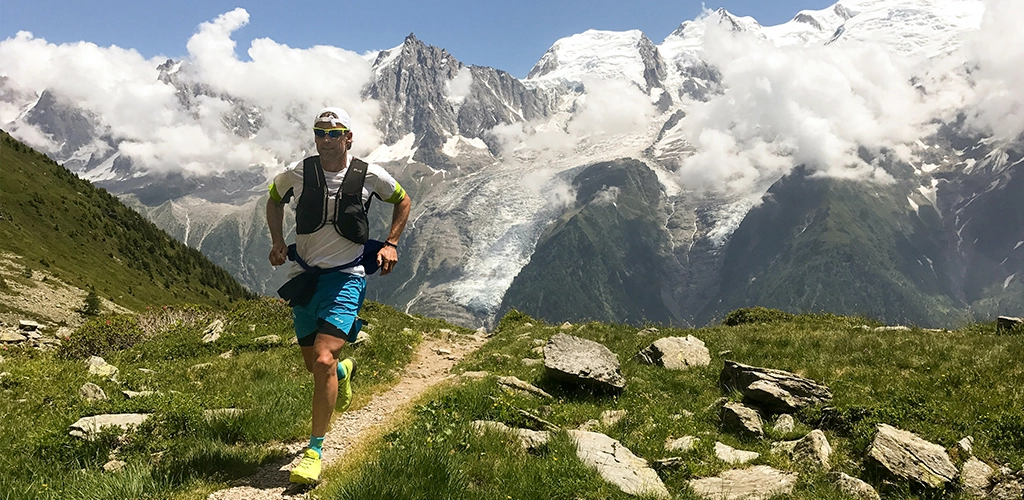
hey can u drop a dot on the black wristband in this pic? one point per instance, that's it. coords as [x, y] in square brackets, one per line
[390, 244]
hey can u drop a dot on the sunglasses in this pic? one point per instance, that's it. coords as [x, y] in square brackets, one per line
[333, 133]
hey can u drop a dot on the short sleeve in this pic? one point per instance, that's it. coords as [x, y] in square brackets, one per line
[384, 185]
[283, 186]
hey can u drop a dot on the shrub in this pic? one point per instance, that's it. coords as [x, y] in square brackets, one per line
[756, 315]
[91, 307]
[102, 336]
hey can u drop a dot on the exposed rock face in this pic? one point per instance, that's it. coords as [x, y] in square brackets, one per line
[676, 353]
[774, 390]
[906, 455]
[88, 427]
[755, 483]
[618, 465]
[742, 419]
[582, 362]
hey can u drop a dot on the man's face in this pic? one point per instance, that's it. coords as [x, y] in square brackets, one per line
[329, 146]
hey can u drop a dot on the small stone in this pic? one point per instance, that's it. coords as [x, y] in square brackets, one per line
[855, 487]
[683, 444]
[566, 326]
[267, 339]
[733, 456]
[966, 445]
[140, 394]
[532, 361]
[99, 367]
[147, 371]
[114, 466]
[227, 355]
[442, 352]
[11, 337]
[92, 392]
[784, 424]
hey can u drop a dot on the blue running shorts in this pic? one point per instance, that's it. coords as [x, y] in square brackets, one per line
[333, 309]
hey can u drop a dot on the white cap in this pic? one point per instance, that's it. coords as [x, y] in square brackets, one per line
[334, 116]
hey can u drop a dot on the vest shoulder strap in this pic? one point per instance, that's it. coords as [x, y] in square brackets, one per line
[355, 178]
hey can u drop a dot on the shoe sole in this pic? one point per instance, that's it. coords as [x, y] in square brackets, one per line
[302, 480]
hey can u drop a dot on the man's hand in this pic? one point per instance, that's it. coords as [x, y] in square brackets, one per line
[387, 257]
[278, 254]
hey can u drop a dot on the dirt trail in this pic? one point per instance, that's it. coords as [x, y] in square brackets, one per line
[431, 364]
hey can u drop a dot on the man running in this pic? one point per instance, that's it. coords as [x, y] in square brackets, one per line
[328, 279]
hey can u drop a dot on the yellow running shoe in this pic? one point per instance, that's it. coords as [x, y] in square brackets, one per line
[308, 470]
[345, 383]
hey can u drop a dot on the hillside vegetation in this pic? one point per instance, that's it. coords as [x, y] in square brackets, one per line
[87, 238]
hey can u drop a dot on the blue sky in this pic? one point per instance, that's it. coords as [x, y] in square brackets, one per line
[510, 36]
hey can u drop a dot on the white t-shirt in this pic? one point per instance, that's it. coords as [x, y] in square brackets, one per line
[326, 248]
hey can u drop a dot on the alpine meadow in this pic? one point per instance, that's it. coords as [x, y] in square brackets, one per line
[744, 262]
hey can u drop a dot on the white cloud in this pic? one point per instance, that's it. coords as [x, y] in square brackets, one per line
[788, 106]
[122, 88]
[458, 88]
[995, 53]
[606, 196]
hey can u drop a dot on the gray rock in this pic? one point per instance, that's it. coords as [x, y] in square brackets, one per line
[582, 362]
[907, 456]
[99, 367]
[268, 339]
[11, 336]
[1008, 323]
[530, 440]
[813, 449]
[976, 477]
[566, 326]
[742, 419]
[617, 465]
[612, 417]
[966, 445]
[676, 353]
[88, 427]
[760, 482]
[92, 392]
[684, 444]
[1011, 488]
[855, 487]
[784, 424]
[670, 463]
[775, 390]
[28, 326]
[516, 385]
[114, 466]
[139, 394]
[213, 331]
[731, 455]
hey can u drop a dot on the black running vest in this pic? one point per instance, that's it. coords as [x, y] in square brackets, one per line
[311, 212]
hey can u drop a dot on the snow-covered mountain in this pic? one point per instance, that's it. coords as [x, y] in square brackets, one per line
[701, 126]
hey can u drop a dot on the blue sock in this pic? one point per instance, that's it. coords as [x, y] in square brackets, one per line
[317, 444]
[341, 371]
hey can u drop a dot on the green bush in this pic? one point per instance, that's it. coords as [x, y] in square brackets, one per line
[756, 315]
[102, 336]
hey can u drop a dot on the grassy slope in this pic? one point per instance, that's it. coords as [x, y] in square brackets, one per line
[177, 453]
[943, 385]
[88, 238]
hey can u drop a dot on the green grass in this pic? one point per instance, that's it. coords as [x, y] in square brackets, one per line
[177, 453]
[943, 385]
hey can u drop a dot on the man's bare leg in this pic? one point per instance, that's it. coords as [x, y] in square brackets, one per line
[322, 361]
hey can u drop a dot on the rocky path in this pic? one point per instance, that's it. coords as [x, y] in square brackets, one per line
[431, 365]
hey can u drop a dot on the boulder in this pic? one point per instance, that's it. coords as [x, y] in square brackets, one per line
[741, 419]
[760, 482]
[516, 385]
[784, 424]
[813, 449]
[731, 455]
[855, 487]
[584, 362]
[976, 477]
[906, 455]
[676, 353]
[775, 390]
[28, 326]
[617, 465]
[88, 427]
[1008, 323]
[11, 336]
